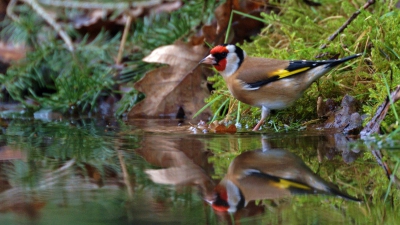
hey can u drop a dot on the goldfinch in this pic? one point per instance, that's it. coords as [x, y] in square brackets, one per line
[266, 83]
[270, 174]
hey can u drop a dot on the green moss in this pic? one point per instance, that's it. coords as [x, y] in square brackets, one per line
[299, 32]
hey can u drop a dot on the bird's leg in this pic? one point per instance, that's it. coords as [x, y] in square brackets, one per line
[264, 114]
[265, 143]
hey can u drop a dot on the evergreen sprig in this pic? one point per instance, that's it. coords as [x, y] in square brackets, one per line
[57, 79]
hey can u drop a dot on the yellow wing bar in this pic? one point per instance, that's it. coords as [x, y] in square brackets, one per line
[288, 184]
[286, 73]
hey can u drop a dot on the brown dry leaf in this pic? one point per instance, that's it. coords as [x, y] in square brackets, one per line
[165, 7]
[209, 32]
[10, 52]
[224, 129]
[7, 153]
[93, 22]
[222, 15]
[217, 127]
[112, 20]
[231, 129]
[176, 86]
[242, 27]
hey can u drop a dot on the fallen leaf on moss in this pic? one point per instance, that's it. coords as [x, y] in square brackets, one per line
[173, 87]
[10, 52]
[224, 129]
[7, 153]
[114, 20]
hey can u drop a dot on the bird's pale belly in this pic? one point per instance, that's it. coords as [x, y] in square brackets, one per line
[277, 104]
[271, 98]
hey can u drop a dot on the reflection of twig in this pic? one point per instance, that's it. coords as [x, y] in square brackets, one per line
[125, 173]
[57, 174]
[378, 156]
[391, 175]
[334, 35]
[50, 181]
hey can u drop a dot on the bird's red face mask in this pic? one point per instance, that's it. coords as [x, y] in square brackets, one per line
[217, 58]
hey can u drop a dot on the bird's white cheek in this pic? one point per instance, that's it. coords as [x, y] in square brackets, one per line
[231, 66]
[234, 196]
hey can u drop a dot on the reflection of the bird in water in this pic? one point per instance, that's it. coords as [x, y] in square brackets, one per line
[268, 174]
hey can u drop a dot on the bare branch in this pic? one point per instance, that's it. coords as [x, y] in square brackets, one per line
[373, 126]
[40, 11]
[124, 37]
[341, 29]
[10, 12]
[98, 5]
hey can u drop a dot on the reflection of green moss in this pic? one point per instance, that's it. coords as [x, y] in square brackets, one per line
[50, 144]
[363, 178]
[299, 32]
[225, 151]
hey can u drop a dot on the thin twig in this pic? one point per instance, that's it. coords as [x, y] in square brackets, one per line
[341, 29]
[10, 10]
[40, 11]
[124, 37]
[98, 5]
[373, 126]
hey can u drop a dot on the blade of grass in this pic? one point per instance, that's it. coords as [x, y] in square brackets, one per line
[238, 113]
[208, 44]
[228, 29]
[206, 106]
[391, 181]
[390, 99]
[219, 109]
[249, 16]
[394, 53]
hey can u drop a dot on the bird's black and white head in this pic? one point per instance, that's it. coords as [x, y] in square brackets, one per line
[226, 59]
[228, 197]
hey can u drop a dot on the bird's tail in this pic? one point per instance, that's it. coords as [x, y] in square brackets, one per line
[337, 192]
[334, 63]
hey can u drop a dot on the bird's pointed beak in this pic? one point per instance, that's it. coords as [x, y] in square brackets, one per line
[208, 60]
[210, 200]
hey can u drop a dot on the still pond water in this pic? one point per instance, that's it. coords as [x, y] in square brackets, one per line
[85, 171]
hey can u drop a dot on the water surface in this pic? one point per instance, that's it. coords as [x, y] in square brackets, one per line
[99, 171]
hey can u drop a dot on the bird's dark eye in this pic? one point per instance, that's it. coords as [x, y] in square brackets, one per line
[220, 56]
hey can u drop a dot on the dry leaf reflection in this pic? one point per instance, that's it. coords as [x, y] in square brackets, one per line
[183, 160]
